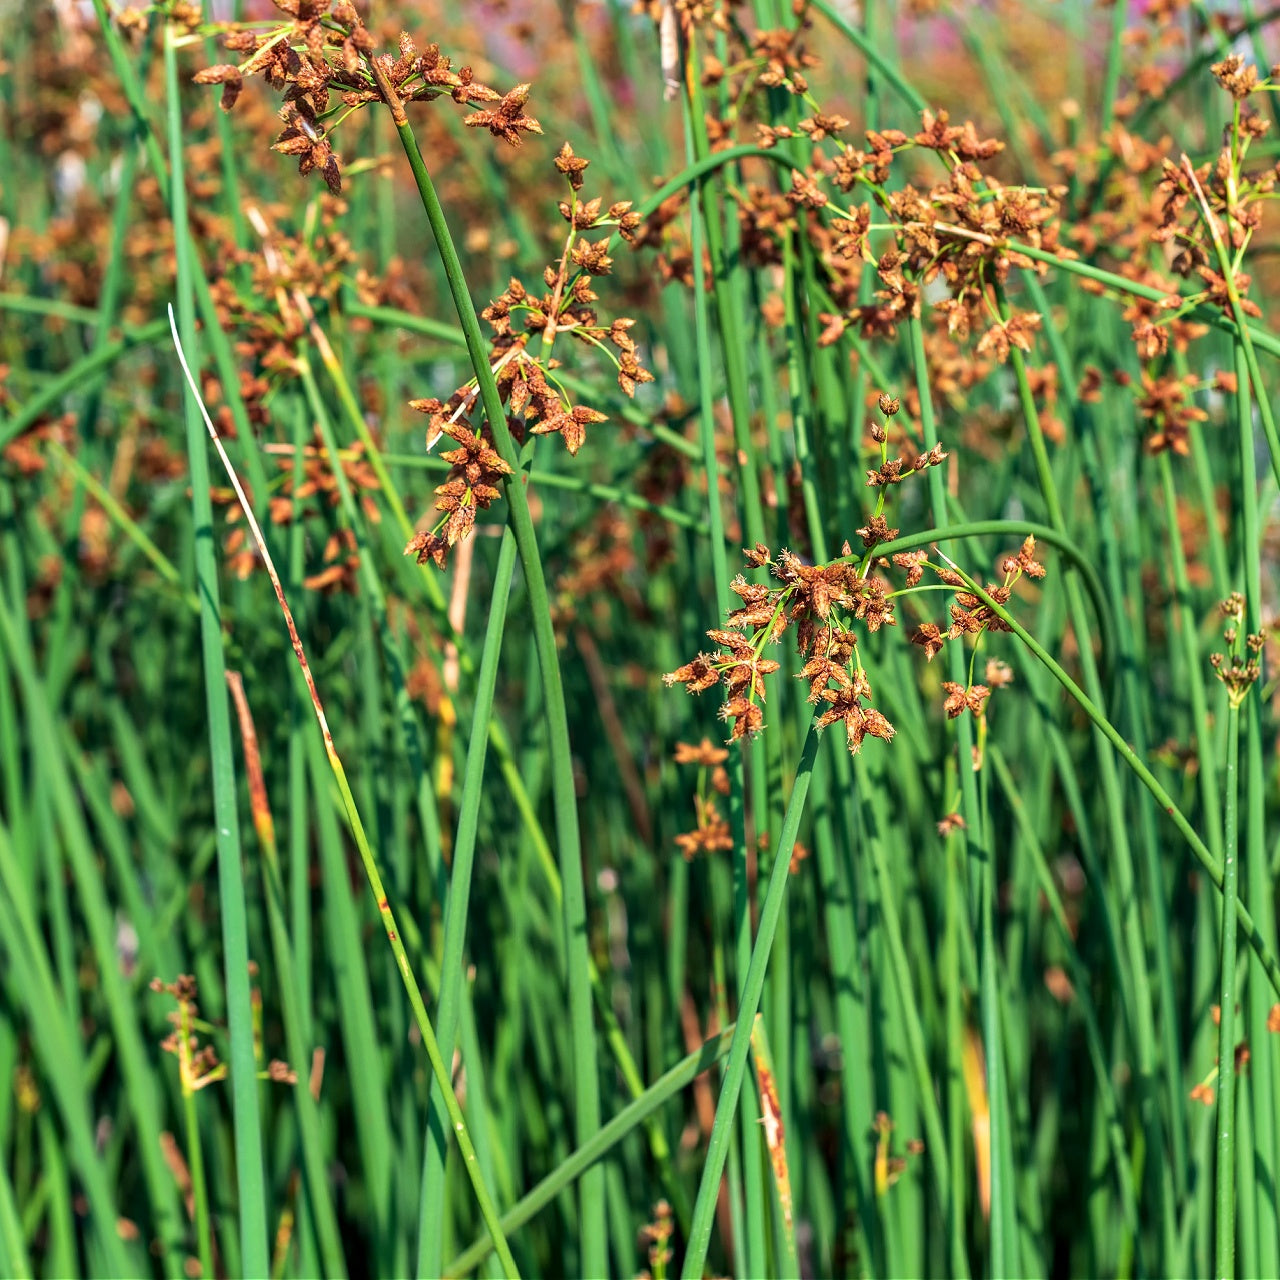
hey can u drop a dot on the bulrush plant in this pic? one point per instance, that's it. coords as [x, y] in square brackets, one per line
[526, 380]
[824, 601]
[897, 379]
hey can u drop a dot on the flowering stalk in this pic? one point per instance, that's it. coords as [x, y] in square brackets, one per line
[1238, 671]
[1199, 849]
[586, 1084]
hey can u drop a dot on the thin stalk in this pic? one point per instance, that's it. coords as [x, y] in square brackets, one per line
[297, 1032]
[200, 1220]
[1224, 1185]
[875, 59]
[1111, 76]
[586, 1083]
[253, 1201]
[1210, 795]
[1255, 1123]
[25, 304]
[452, 974]
[1198, 848]
[1264, 1065]
[751, 766]
[980, 855]
[748, 1003]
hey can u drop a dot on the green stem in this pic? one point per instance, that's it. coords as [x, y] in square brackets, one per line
[586, 1085]
[875, 59]
[748, 1003]
[981, 858]
[199, 1188]
[1111, 78]
[296, 1026]
[247, 1119]
[431, 1207]
[1224, 1186]
[1198, 848]
[606, 1138]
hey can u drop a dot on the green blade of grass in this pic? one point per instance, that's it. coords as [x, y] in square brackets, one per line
[586, 1083]
[252, 1199]
[431, 1209]
[387, 916]
[748, 1003]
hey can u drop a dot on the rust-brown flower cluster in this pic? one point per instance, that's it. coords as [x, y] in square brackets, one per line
[526, 323]
[711, 833]
[970, 615]
[1240, 667]
[322, 60]
[965, 230]
[198, 1064]
[1215, 208]
[821, 602]
[476, 472]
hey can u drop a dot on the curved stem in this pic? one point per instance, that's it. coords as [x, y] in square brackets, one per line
[586, 1085]
[1199, 849]
[865, 46]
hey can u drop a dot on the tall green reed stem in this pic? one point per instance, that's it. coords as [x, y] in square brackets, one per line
[430, 1238]
[982, 866]
[1224, 1177]
[727, 289]
[748, 1002]
[586, 1085]
[296, 1028]
[250, 1174]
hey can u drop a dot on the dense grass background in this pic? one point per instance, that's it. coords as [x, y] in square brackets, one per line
[989, 996]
